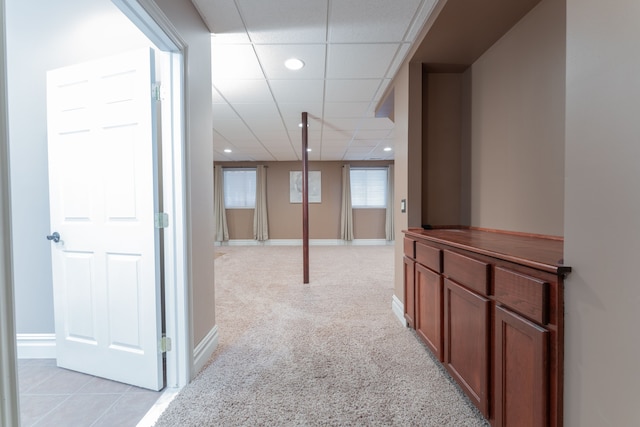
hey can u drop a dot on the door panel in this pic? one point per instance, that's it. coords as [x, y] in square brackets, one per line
[103, 197]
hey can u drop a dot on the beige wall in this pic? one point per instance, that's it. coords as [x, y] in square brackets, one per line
[407, 145]
[517, 126]
[285, 218]
[442, 150]
[602, 209]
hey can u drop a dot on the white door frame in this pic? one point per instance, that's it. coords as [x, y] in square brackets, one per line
[9, 412]
[150, 19]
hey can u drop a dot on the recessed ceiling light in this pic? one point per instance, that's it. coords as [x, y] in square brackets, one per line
[293, 64]
[308, 149]
[227, 150]
[387, 148]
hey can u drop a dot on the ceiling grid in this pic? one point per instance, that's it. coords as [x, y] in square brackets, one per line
[351, 50]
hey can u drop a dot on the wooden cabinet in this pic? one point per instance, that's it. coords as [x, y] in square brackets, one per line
[521, 367]
[429, 307]
[466, 348]
[489, 306]
[409, 291]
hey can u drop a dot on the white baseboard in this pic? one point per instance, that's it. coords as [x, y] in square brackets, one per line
[312, 242]
[398, 309]
[204, 350]
[36, 346]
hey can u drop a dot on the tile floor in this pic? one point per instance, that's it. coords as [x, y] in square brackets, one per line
[52, 396]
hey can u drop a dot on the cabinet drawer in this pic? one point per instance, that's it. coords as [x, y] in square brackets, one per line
[429, 257]
[467, 271]
[409, 247]
[525, 294]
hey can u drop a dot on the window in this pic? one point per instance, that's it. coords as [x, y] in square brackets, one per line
[368, 187]
[239, 188]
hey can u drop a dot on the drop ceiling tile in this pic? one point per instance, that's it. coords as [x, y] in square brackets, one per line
[260, 117]
[278, 146]
[336, 153]
[372, 134]
[339, 124]
[362, 143]
[285, 157]
[234, 62]
[216, 98]
[370, 20]
[235, 132]
[377, 123]
[351, 90]
[359, 61]
[378, 151]
[329, 134]
[347, 109]
[297, 91]
[245, 143]
[274, 135]
[220, 156]
[272, 58]
[244, 91]
[274, 22]
[223, 112]
[230, 38]
[217, 137]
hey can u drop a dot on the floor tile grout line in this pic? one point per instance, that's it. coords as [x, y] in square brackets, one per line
[35, 424]
[106, 411]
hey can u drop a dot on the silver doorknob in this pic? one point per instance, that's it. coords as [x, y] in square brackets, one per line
[55, 237]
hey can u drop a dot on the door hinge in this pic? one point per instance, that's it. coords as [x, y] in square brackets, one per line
[156, 91]
[161, 220]
[165, 344]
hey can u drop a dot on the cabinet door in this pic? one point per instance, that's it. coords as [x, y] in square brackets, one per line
[409, 292]
[429, 309]
[521, 369]
[466, 341]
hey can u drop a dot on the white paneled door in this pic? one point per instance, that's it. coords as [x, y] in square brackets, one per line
[103, 196]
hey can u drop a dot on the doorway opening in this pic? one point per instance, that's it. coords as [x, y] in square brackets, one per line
[177, 326]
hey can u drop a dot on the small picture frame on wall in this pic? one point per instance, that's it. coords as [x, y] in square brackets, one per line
[295, 187]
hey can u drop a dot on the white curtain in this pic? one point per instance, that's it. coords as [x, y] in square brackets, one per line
[260, 223]
[220, 214]
[388, 227]
[346, 215]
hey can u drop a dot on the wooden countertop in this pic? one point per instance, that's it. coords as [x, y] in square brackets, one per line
[533, 251]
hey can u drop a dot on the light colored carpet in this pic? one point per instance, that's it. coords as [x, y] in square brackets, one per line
[329, 353]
